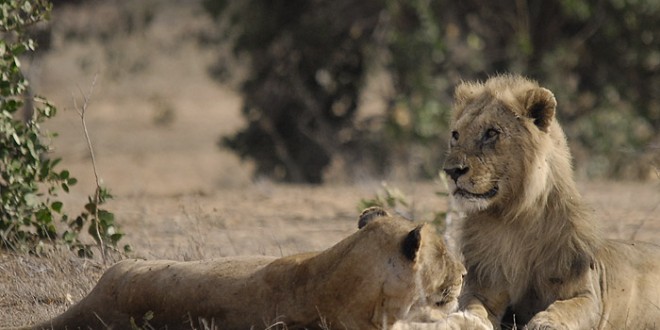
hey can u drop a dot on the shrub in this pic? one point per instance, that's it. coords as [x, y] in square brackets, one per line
[307, 63]
[30, 181]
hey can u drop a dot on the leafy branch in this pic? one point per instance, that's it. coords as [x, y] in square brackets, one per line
[29, 179]
[101, 222]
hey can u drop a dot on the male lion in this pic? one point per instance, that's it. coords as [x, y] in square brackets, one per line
[530, 246]
[390, 268]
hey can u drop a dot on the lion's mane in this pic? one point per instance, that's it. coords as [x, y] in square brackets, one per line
[530, 245]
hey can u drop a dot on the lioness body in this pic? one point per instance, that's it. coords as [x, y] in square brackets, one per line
[367, 281]
[133, 288]
[529, 244]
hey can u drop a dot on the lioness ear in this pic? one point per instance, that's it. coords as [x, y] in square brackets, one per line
[369, 214]
[540, 105]
[412, 242]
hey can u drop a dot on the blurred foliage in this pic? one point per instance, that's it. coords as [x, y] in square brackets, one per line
[29, 180]
[308, 61]
[306, 71]
[388, 197]
[391, 198]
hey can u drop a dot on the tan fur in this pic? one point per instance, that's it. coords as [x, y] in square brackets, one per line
[388, 270]
[529, 243]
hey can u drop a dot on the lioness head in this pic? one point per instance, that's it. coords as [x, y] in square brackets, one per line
[503, 136]
[433, 277]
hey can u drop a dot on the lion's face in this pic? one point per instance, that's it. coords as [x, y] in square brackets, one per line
[499, 135]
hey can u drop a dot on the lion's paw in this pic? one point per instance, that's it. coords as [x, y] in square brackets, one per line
[467, 320]
[453, 321]
[545, 321]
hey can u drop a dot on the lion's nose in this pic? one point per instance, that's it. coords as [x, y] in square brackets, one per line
[456, 172]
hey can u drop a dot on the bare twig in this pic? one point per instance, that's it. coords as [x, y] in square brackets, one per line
[97, 194]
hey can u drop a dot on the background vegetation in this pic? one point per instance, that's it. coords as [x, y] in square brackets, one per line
[308, 63]
[30, 180]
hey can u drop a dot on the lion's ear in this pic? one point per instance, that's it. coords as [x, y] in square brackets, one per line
[411, 243]
[369, 214]
[540, 105]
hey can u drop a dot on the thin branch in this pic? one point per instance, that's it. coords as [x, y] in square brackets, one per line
[97, 194]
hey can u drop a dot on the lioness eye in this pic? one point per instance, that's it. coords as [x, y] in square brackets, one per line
[490, 135]
[454, 135]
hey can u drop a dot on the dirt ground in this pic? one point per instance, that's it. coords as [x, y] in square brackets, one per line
[178, 196]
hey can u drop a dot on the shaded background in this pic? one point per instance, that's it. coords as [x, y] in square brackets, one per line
[347, 90]
[310, 61]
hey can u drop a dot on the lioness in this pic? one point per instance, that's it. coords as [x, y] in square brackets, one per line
[385, 271]
[529, 244]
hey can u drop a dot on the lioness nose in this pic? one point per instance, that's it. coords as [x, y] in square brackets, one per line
[456, 172]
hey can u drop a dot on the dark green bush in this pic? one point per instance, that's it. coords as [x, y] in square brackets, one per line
[308, 61]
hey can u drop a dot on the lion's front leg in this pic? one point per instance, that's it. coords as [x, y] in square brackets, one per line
[582, 312]
[481, 303]
[475, 315]
[469, 320]
[455, 321]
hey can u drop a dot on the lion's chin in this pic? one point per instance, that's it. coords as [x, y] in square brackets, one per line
[470, 195]
[473, 202]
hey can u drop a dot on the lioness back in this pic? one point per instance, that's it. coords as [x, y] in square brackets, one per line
[136, 288]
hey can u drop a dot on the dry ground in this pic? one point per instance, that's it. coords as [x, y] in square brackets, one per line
[180, 197]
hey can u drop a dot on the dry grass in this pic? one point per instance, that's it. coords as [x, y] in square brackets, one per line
[271, 220]
[36, 288]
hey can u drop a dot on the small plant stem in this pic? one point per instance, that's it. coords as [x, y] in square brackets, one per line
[97, 193]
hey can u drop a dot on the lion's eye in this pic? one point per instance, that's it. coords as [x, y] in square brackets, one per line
[490, 135]
[454, 135]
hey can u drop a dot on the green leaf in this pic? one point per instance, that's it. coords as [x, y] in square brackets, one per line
[115, 238]
[27, 7]
[80, 221]
[55, 161]
[91, 206]
[85, 252]
[19, 50]
[44, 216]
[69, 237]
[106, 218]
[92, 231]
[57, 206]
